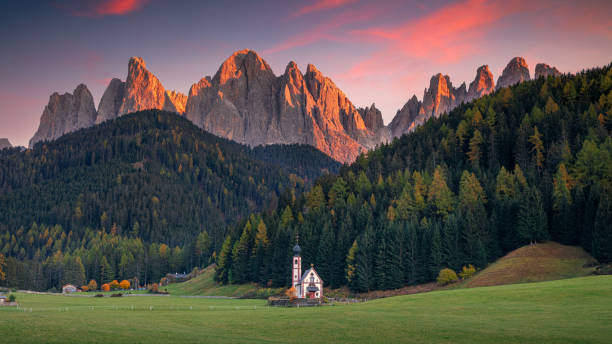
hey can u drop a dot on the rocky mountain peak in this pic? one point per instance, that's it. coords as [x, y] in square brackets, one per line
[241, 63]
[66, 113]
[142, 89]
[516, 71]
[482, 85]
[111, 101]
[440, 97]
[372, 117]
[543, 70]
[4, 143]
[404, 119]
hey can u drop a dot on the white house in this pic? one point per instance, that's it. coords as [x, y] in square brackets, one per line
[308, 285]
[68, 288]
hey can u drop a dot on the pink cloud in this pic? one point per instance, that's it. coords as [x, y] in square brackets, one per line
[331, 30]
[92, 8]
[321, 5]
[446, 34]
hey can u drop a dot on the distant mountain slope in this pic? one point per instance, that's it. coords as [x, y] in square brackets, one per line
[151, 174]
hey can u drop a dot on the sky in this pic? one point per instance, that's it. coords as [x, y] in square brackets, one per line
[378, 52]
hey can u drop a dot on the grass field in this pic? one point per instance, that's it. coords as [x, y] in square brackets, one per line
[575, 310]
[535, 263]
[205, 285]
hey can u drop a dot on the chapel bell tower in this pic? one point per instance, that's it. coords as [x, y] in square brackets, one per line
[296, 272]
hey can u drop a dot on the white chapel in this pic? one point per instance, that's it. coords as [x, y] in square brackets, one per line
[308, 285]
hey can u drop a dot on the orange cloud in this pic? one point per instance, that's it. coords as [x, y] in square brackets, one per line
[92, 8]
[321, 5]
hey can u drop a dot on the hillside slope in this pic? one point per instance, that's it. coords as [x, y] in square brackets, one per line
[535, 263]
[150, 168]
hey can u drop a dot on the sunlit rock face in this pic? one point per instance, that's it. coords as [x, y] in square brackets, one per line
[516, 71]
[543, 70]
[66, 113]
[4, 143]
[144, 91]
[247, 103]
[141, 91]
[482, 85]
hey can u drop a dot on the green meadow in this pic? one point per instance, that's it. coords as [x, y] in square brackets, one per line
[577, 310]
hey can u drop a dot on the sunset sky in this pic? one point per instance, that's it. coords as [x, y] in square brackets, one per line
[379, 52]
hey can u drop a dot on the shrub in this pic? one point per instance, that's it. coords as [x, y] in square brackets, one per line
[125, 284]
[92, 285]
[114, 285]
[447, 276]
[12, 297]
[106, 287]
[84, 288]
[467, 272]
[291, 293]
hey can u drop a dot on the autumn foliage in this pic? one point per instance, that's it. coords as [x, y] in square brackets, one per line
[106, 287]
[291, 293]
[125, 284]
[114, 285]
[447, 276]
[92, 285]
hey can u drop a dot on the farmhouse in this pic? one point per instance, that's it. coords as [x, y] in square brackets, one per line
[68, 288]
[308, 285]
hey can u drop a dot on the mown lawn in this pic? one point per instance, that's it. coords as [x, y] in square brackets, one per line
[576, 310]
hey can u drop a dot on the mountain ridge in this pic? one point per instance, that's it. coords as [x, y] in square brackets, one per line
[246, 102]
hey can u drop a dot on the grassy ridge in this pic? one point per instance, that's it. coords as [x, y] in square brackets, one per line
[567, 311]
[205, 285]
[535, 263]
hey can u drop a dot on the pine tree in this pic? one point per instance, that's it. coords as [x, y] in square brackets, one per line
[106, 271]
[259, 253]
[562, 199]
[440, 196]
[602, 230]
[531, 218]
[475, 153]
[537, 148]
[224, 261]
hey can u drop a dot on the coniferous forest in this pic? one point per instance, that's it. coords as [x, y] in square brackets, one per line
[528, 163]
[150, 193]
[139, 196]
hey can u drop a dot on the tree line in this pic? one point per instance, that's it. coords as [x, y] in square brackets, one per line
[528, 163]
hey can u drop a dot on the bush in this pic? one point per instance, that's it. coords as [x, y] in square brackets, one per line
[84, 288]
[291, 293]
[125, 284]
[99, 295]
[447, 276]
[92, 285]
[12, 297]
[467, 272]
[105, 287]
[114, 285]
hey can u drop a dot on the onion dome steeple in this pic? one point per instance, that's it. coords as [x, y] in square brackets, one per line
[296, 249]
